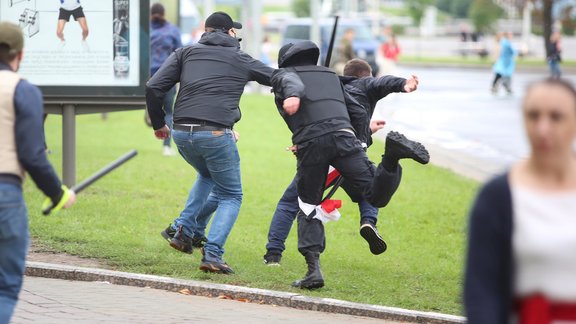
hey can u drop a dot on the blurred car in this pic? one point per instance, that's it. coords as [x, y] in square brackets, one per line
[365, 45]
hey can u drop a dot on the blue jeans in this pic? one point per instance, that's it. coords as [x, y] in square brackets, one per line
[554, 66]
[14, 238]
[168, 105]
[285, 215]
[218, 186]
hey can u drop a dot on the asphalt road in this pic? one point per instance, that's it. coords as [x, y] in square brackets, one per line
[456, 115]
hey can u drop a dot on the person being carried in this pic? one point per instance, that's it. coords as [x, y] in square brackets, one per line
[22, 149]
[322, 118]
[367, 90]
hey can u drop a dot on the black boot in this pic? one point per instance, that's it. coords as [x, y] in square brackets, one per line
[313, 278]
[399, 147]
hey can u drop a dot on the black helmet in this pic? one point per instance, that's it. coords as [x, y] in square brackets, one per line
[300, 53]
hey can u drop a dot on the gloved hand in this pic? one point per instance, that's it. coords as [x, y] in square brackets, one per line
[68, 198]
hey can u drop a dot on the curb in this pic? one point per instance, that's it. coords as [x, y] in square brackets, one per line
[199, 288]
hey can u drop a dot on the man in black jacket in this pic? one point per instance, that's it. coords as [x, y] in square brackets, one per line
[212, 76]
[367, 90]
[323, 128]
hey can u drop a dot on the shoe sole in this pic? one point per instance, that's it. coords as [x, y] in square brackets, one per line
[375, 241]
[418, 152]
[272, 264]
[166, 236]
[213, 269]
[311, 286]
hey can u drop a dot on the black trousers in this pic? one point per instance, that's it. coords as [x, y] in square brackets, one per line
[344, 152]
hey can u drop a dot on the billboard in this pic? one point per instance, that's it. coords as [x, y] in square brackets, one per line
[83, 47]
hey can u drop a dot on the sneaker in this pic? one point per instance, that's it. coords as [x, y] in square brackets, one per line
[85, 46]
[61, 46]
[168, 233]
[216, 267]
[272, 259]
[398, 146]
[369, 232]
[168, 151]
[181, 241]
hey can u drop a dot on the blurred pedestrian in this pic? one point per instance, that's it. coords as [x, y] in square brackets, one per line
[505, 64]
[554, 58]
[521, 259]
[22, 149]
[265, 50]
[212, 76]
[390, 50]
[344, 50]
[164, 39]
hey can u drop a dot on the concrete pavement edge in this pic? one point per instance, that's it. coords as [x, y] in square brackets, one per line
[255, 295]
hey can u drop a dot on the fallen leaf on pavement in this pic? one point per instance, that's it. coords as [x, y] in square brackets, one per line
[224, 297]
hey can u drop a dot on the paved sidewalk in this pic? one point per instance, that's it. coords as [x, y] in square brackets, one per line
[70, 294]
[63, 301]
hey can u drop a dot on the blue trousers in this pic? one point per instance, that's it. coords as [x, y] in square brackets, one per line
[287, 209]
[214, 156]
[14, 238]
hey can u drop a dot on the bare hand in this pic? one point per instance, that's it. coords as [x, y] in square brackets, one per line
[376, 125]
[71, 200]
[292, 148]
[162, 133]
[236, 136]
[411, 84]
[291, 105]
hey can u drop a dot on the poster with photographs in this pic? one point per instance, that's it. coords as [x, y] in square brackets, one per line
[78, 42]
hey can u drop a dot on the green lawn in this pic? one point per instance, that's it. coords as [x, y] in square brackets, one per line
[119, 218]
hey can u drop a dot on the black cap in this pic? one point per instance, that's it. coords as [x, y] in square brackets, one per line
[221, 20]
[157, 9]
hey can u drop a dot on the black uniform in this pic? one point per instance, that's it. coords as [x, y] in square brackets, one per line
[323, 130]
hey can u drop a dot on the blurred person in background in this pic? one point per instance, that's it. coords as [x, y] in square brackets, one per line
[344, 51]
[390, 51]
[521, 263]
[554, 58]
[164, 39]
[265, 50]
[505, 63]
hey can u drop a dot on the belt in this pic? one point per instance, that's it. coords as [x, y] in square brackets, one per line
[10, 178]
[198, 128]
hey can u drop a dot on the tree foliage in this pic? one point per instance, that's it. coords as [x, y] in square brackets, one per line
[483, 14]
[416, 8]
[456, 8]
[301, 8]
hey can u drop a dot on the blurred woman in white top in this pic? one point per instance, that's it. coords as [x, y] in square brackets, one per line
[521, 263]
